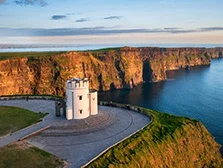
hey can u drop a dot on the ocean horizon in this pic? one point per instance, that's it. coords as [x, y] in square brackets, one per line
[70, 47]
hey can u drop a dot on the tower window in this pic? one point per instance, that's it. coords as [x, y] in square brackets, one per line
[81, 111]
[80, 97]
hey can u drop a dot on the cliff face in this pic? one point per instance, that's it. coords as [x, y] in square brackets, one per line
[158, 60]
[118, 68]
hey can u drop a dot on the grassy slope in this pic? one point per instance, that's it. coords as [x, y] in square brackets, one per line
[14, 118]
[7, 55]
[103, 49]
[24, 155]
[164, 143]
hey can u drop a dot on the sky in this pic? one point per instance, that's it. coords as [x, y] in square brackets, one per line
[111, 22]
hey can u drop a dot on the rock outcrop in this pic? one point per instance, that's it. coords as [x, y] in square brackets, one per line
[107, 69]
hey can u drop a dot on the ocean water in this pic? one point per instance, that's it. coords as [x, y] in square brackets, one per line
[195, 93]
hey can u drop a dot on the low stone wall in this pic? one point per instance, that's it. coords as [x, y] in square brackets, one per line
[31, 97]
[57, 98]
[60, 102]
[126, 106]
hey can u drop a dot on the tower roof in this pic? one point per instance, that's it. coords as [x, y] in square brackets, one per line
[77, 79]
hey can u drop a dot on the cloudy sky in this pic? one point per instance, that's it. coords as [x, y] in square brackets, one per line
[111, 22]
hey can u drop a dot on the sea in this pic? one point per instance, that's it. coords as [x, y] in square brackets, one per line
[196, 93]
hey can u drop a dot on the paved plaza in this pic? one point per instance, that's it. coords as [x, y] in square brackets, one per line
[78, 147]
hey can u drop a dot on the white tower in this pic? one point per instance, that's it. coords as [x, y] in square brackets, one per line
[80, 103]
[93, 99]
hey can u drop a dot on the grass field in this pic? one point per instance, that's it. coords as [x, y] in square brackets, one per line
[13, 119]
[23, 155]
[7, 55]
[103, 49]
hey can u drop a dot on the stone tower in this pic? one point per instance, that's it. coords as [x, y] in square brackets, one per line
[80, 102]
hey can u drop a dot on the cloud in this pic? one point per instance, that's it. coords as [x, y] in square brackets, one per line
[73, 13]
[171, 28]
[31, 2]
[112, 17]
[58, 17]
[96, 31]
[211, 28]
[26, 2]
[82, 20]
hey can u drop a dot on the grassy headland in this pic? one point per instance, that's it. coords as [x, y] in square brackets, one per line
[7, 55]
[24, 155]
[169, 141]
[13, 119]
[103, 49]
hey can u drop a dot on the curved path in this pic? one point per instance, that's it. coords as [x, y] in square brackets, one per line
[79, 149]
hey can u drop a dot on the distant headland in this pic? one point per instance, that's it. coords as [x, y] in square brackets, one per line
[109, 68]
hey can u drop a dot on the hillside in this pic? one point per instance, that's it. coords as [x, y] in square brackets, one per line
[46, 73]
[169, 141]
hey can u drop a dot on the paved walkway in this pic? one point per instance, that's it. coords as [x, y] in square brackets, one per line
[79, 149]
[90, 124]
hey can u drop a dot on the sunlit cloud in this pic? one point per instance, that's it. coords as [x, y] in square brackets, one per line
[96, 30]
[2, 1]
[125, 39]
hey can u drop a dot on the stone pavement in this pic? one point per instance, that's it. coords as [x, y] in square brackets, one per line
[78, 149]
[90, 124]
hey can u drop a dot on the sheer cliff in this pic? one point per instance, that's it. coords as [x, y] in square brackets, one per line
[107, 69]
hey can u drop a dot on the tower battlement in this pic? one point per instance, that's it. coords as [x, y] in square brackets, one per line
[77, 83]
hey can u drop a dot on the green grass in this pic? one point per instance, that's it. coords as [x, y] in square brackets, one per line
[37, 95]
[13, 119]
[23, 155]
[162, 127]
[103, 49]
[8, 55]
